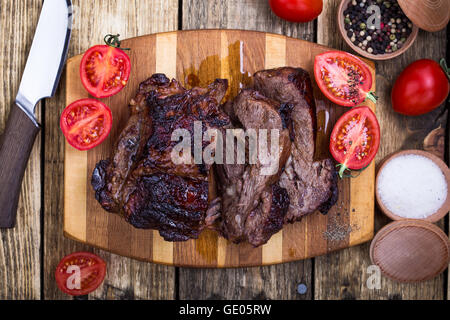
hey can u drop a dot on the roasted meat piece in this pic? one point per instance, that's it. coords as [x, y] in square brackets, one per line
[253, 204]
[141, 181]
[256, 194]
[174, 205]
[110, 175]
[311, 185]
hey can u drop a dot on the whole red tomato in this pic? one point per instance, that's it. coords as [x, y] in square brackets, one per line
[421, 87]
[297, 10]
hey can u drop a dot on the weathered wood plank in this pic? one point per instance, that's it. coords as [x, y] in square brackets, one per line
[126, 278]
[19, 247]
[274, 282]
[240, 14]
[343, 275]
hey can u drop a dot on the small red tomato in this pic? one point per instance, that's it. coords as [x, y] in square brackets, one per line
[105, 69]
[355, 139]
[421, 87]
[343, 78]
[86, 123]
[297, 10]
[80, 273]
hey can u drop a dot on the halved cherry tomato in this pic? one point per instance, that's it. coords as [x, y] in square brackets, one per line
[87, 267]
[355, 139]
[86, 123]
[343, 78]
[104, 70]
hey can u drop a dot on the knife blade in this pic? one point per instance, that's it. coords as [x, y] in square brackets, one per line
[47, 55]
[40, 79]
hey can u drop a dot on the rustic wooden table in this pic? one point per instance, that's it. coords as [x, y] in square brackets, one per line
[30, 252]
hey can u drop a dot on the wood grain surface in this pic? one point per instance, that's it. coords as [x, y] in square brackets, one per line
[20, 260]
[23, 254]
[205, 55]
[429, 15]
[332, 281]
[270, 282]
[127, 278]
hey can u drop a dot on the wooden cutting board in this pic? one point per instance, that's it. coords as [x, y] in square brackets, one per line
[197, 58]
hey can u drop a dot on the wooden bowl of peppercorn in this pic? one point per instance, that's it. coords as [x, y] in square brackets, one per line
[396, 35]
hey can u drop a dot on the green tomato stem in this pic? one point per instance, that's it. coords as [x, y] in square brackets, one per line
[372, 97]
[343, 171]
[112, 40]
[342, 168]
[445, 68]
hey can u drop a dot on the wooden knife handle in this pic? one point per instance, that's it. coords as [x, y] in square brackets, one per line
[16, 143]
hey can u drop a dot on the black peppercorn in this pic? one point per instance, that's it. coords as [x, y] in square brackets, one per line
[395, 26]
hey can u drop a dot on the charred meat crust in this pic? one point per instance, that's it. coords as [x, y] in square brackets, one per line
[99, 182]
[140, 181]
[327, 205]
[174, 205]
[268, 217]
[180, 111]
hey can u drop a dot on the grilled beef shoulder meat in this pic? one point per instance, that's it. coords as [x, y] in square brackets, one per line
[131, 143]
[311, 185]
[140, 181]
[253, 204]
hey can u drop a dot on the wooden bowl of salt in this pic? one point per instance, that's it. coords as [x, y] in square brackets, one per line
[413, 184]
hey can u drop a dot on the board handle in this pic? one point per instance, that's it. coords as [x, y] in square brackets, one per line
[16, 143]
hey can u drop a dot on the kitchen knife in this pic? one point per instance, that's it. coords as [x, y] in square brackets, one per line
[40, 78]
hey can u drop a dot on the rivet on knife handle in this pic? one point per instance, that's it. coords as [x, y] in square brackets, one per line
[16, 143]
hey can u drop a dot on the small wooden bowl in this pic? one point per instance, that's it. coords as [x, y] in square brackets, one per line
[386, 56]
[429, 15]
[438, 215]
[410, 251]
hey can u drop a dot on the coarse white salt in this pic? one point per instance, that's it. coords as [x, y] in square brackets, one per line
[412, 186]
